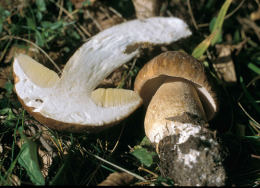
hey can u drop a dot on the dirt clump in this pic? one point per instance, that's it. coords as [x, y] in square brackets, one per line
[197, 162]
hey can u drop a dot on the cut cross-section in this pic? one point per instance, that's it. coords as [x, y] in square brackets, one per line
[70, 102]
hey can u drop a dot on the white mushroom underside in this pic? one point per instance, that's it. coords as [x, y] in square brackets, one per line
[68, 100]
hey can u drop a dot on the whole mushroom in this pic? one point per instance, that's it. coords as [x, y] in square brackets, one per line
[180, 101]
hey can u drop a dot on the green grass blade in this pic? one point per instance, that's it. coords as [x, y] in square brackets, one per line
[249, 96]
[29, 160]
[254, 68]
[214, 36]
[107, 168]
[12, 166]
[203, 46]
[220, 20]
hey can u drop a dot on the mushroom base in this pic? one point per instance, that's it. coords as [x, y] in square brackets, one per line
[197, 162]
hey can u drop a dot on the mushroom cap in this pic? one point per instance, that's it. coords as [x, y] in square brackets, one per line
[72, 102]
[51, 104]
[182, 67]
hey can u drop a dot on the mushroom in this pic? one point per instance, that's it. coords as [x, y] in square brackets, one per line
[71, 102]
[180, 101]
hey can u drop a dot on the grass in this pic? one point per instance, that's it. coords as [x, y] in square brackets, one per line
[32, 154]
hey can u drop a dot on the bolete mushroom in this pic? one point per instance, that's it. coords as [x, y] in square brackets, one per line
[180, 101]
[72, 102]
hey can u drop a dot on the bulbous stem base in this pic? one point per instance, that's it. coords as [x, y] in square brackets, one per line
[197, 162]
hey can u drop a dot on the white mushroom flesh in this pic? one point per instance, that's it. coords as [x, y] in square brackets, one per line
[68, 99]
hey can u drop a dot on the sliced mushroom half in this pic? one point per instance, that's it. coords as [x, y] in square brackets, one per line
[72, 102]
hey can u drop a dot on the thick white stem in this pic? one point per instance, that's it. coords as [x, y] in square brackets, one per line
[172, 100]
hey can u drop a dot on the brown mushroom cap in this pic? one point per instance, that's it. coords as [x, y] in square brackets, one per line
[183, 67]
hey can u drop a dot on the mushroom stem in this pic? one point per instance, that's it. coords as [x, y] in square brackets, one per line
[189, 152]
[171, 100]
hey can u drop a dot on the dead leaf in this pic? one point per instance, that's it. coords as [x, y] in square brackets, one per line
[147, 8]
[80, 3]
[46, 159]
[117, 179]
[6, 72]
[5, 75]
[106, 22]
[113, 79]
[224, 65]
[15, 180]
[12, 179]
[16, 49]
[255, 15]
[102, 19]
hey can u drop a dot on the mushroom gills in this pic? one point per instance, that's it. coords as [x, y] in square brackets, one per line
[113, 97]
[172, 99]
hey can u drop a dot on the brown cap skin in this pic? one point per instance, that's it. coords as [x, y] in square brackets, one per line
[175, 64]
[59, 125]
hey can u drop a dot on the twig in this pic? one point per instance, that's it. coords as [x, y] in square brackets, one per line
[72, 18]
[84, 30]
[148, 171]
[191, 15]
[236, 9]
[61, 10]
[253, 80]
[255, 156]
[203, 25]
[256, 123]
[35, 45]
[254, 126]
[249, 83]
[165, 184]
[145, 183]
[105, 12]
[79, 31]
[118, 167]
[5, 50]
[117, 13]
[117, 142]
[250, 24]
[94, 20]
